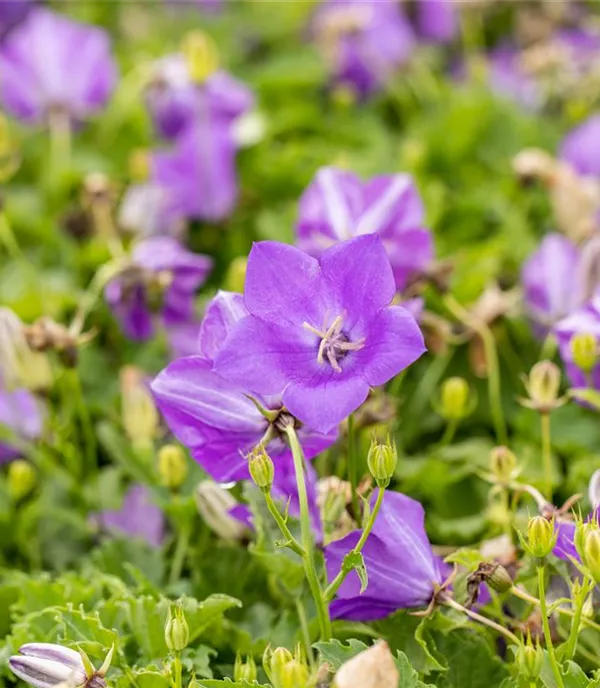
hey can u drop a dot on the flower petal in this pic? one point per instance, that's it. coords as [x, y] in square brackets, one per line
[222, 313]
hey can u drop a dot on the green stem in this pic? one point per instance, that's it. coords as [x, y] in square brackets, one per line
[352, 466]
[449, 432]
[505, 497]
[183, 540]
[291, 541]
[482, 619]
[547, 454]
[491, 356]
[87, 428]
[59, 127]
[339, 579]
[546, 627]
[571, 645]
[522, 594]
[178, 669]
[308, 557]
[305, 631]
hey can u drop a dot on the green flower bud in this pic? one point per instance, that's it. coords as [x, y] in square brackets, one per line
[262, 469]
[591, 550]
[139, 165]
[503, 464]
[530, 659]
[382, 460]
[294, 675]
[454, 399]
[244, 671]
[172, 466]
[584, 351]
[177, 632]
[22, 478]
[543, 386]
[274, 662]
[499, 579]
[582, 528]
[236, 274]
[540, 536]
[200, 54]
[138, 411]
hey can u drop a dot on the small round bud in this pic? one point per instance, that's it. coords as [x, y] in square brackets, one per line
[382, 460]
[540, 537]
[177, 632]
[530, 659]
[172, 466]
[236, 274]
[244, 671]
[503, 464]
[543, 385]
[584, 351]
[22, 478]
[591, 550]
[294, 675]
[262, 469]
[499, 579]
[200, 54]
[454, 399]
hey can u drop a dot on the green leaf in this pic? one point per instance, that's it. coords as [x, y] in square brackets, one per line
[353, 561]
[335, 653]
[228, 683]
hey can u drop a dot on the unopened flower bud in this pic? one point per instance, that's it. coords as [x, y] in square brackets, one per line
[582, 528]
[172, 466]
[372, 668]
[543, 385]
[262, 469]
[273, 663]
[244, 671]
[530, 659]
[382, 460]
[21, 479]
[236, 274]
[454, 399]
[503, 464]
[294, 675]
[177, 632]
[591, 550]
[499, 579]
[540, 537]
[214, 505]
[138, 411]
[584, 350]
[200, 55]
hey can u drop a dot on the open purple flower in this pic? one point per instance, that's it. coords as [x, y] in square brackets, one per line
[221, 421]
[21, 422]
[161, 279]
[508, 77]
[365, 41]
[338, 205]
[581, 147]
[12, 12]
[436, 20]
[401, 566]
[320, 330]
[548, 280]
[138, 517]
[565, 542]
[54, 66]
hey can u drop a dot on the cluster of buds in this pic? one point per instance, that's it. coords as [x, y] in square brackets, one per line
[43, 665]
[584, 351]
[382, 460]
[543, 387]
[285, 670]
[261, 467]
[138, 411]
[177, 632]
[172, 466]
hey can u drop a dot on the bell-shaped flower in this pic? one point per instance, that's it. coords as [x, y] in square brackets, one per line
[436, 21]
[338, 205]
[402, 569]
[581, 147]
[161, 280]
[54, 66]
[323, 331]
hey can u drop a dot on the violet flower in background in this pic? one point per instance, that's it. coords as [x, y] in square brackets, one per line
[549, 282]
[145, 210]
[161, 280]
[54, 66]
[581, 147]
[12, 12]
[338, 205]
[21, 422]
[364, 41]
[215, 418]
[565, 541]
[436, 21]
[508, 78]
[138, 517]
[320, 332]
[401, 566]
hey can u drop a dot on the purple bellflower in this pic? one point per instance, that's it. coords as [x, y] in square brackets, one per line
[337, 206]
[565, 542]
[581, 147]
[53, 66]
[401, 566]
[508, 78]
[21, 421]
[436, 20]
[12, 12]
[547, 278]
[161, 279]
[44, 665]
[220, 421]
[364, 41]
[320, 332]
[138, 517]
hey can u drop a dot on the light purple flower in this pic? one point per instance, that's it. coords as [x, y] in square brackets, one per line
[338, 205]
[217, 419]
[320, 330]
[436, 20]
[581, 147]
[549, 280]
[176, 102]
[401, 566]
[22, 417]
[52, 64]
[145, 210]
[139, 517]
[44, 665]
[12, 12]
[585, 320]
[163, 277]
[508, 77]
[365, 41]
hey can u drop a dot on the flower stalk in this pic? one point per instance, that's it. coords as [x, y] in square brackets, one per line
[541, 571]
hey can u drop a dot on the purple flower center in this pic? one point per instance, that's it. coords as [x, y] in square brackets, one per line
[334, 344]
